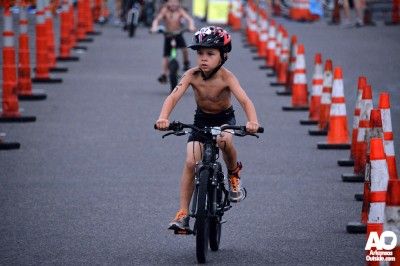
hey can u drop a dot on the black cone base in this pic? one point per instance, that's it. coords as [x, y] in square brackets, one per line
[272, 74]
[93, 33]
[79, 47]
[86, 40]
[265, 67]
[295, 108]
[284, 93]
[58, 69]
[46, 80]
[277, 84]
[258, 58]
[354, 178]
[308, 122]
[68, 59]
[356, 228]
[337, 146]
[35, 95]
[17, 119]
[9, 145]
[346, 162]
[359, 197]
[317, 132]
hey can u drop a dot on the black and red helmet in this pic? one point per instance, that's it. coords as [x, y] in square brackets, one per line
[212, 37]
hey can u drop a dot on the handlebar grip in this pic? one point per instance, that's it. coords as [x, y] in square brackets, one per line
[260, 130]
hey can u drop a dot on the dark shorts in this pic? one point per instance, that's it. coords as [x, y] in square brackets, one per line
[180, 43]
[202, 119]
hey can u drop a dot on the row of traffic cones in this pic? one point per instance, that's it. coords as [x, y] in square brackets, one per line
[17, 80]
[371, 143]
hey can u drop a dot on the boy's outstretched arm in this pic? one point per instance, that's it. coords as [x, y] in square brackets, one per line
[157, 19]
[247, 105]
[170, 102]
[189, 19]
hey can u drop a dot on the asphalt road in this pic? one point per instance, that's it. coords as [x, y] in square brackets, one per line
[93, 183]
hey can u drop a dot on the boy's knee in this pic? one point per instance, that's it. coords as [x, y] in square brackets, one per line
[224, 140]
[190, 163]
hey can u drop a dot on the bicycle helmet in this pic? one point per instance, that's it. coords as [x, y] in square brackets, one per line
[213, 37]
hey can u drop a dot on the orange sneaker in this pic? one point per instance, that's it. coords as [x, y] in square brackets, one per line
[180, 222]
[236, 191]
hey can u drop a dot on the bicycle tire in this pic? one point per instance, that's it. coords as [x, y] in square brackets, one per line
[173, 67]
[202, 223]
[215, 229]
[215, 233]
[131, 30]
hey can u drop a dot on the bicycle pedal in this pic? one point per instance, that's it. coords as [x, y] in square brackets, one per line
[227, 208]
[183, 232]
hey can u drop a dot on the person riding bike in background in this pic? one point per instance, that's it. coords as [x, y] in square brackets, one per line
[213, 86]
[172, 15]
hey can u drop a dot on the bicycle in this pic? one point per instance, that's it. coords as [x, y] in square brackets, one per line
[173, 64]
[210, 198]
[132, 17]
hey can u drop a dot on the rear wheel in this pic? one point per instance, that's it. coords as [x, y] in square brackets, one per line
[131, 29]
[202, 222]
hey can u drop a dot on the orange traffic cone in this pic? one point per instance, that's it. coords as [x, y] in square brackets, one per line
[24, 84]
[270, 59]
[282, 71]
[291, 67]
[360, 149]
[42, 60]
[82, 22]
[338, 137]
[299, 88]
[10, 112]
[362, 82]
[89, 19]
[375, 125]
[278, 49]
[379, 183]
[263, 36]
[237, 13]
[8, 145]
[325, 106]
[384, 105]
[66, 38]
[395, 19]
[316, 92]
[300, 10]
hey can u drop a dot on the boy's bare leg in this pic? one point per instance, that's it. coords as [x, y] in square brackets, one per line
[193, 155]
[185, 55]
[165, 65]
[229, 154]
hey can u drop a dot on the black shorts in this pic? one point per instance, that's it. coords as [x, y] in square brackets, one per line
[180, 43]
[202, 119]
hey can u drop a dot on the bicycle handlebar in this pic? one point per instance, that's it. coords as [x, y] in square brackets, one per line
[178, 127]
[162, 29]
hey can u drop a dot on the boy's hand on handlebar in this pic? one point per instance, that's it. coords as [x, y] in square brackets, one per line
[192, 29]
[252, 127]
[162, 124]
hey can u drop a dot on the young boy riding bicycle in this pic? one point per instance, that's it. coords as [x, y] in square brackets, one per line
[172, 14]
[213, 86]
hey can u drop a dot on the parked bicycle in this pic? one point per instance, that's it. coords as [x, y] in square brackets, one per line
[210, 199]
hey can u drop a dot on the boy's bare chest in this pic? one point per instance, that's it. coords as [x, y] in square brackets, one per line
[214, 92]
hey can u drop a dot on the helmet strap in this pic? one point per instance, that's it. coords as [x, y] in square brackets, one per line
[224, 57]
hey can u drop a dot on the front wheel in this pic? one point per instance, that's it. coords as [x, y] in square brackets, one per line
[215, 233]
[173, 73]
[202, 222]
